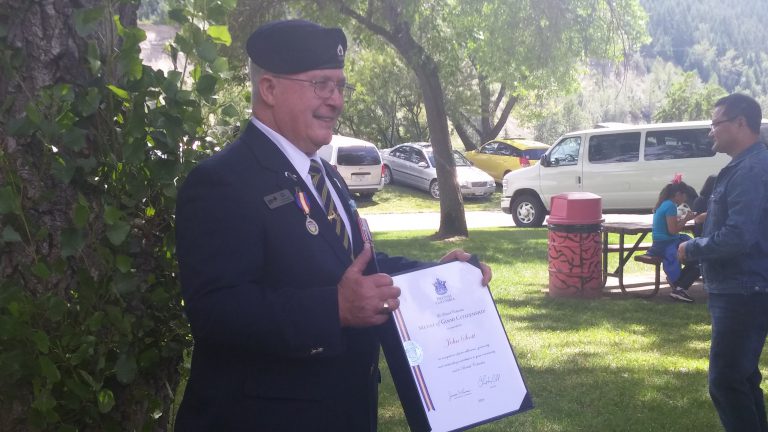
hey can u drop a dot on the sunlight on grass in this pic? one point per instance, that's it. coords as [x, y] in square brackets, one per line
[608, 364]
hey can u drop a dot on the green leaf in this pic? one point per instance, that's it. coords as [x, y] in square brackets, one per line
[9, 201]
[125, 369]
[80, 215]
[220, 66]
[62, 170]
[41, 341]
[122, 94]
[44, 401]
[87, 20]
[112, 214]
[206, 85]
[123, 263]
[124, 283]
[21, 126]
[229, 4]
[178, 15]
[41, 270]
[117, 232]
[48, 369]
[220, 34]
[10, 235]
[90, 102]
[207, 51]
[105, 400]
[56, 307]
[72, 240]
[231, 111]
[74, 139]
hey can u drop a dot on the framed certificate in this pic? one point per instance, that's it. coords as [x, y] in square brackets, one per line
[448, 353]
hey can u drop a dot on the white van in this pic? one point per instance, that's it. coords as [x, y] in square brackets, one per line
[358, 162]
[626, 165]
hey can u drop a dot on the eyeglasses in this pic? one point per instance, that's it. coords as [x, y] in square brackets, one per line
[719, 122]
[324, 88]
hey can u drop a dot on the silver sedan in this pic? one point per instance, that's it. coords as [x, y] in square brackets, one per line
[413, 164]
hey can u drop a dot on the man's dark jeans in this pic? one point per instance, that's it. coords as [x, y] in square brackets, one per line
[739, 328]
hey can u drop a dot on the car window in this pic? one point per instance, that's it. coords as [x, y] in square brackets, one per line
[507, 150]
[460, 160]
[400, 153]
[358, 155]
[613, 148]
[417, 156]
[678, 144]
[566, 152]
[534, 154]
[489, 148]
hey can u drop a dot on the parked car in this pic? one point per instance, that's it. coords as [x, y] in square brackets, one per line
[626, 165]
[413, 164]
[500, 156]
[358, 162]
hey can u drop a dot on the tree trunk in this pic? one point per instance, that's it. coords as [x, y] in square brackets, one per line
[46, 50]
[453, 221]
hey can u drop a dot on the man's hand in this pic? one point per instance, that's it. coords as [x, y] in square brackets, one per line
[365, 300]
[460, 255]
[700, 218]
[681, 252]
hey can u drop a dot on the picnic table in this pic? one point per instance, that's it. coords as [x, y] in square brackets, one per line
[626, 250]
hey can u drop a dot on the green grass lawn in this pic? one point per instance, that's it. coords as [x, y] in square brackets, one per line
[610, 364]
[401, 199]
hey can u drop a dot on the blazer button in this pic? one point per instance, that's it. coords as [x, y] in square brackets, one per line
[316, 351]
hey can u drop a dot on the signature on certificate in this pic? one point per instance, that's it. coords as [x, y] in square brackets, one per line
[488, 380]
[458, 394]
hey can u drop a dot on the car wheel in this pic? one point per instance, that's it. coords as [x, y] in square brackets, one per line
[527, 211]
[434, 189]
[387, 175]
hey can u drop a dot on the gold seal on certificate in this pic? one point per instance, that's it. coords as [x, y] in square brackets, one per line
[456, 353]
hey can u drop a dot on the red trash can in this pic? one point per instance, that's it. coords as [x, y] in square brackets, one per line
[575, 245]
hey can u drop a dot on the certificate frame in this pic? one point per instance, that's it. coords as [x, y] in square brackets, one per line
[411, 342]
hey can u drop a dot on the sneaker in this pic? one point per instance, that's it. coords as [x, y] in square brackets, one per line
[680, 294]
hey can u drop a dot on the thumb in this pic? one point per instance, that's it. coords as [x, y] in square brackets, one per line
[361, 262]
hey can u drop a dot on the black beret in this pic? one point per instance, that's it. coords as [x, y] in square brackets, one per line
[295, 46]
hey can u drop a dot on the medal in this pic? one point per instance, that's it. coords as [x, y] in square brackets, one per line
[303, 203]
[312, 226]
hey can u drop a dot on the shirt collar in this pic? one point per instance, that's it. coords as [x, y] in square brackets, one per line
[296, 157]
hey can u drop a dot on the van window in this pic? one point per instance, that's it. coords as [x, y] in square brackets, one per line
[678, 144]
[623, 147]
[358, 155]
[566, 152]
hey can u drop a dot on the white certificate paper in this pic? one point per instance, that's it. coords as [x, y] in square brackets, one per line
[459, 355]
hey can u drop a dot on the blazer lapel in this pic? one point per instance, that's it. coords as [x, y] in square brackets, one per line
[272, 159]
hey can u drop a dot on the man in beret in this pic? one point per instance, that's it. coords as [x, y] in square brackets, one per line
[281, 292]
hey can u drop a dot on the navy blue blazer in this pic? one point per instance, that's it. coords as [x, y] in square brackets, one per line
[260, 294]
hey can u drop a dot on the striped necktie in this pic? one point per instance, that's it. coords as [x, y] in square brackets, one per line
[321, 186]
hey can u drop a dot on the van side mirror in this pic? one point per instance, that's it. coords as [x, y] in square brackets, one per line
[544, 160]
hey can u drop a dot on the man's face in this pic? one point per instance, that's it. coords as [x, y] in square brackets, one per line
[304, 118]
[723, 131]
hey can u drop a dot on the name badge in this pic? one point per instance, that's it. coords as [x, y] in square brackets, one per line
[278, 199]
